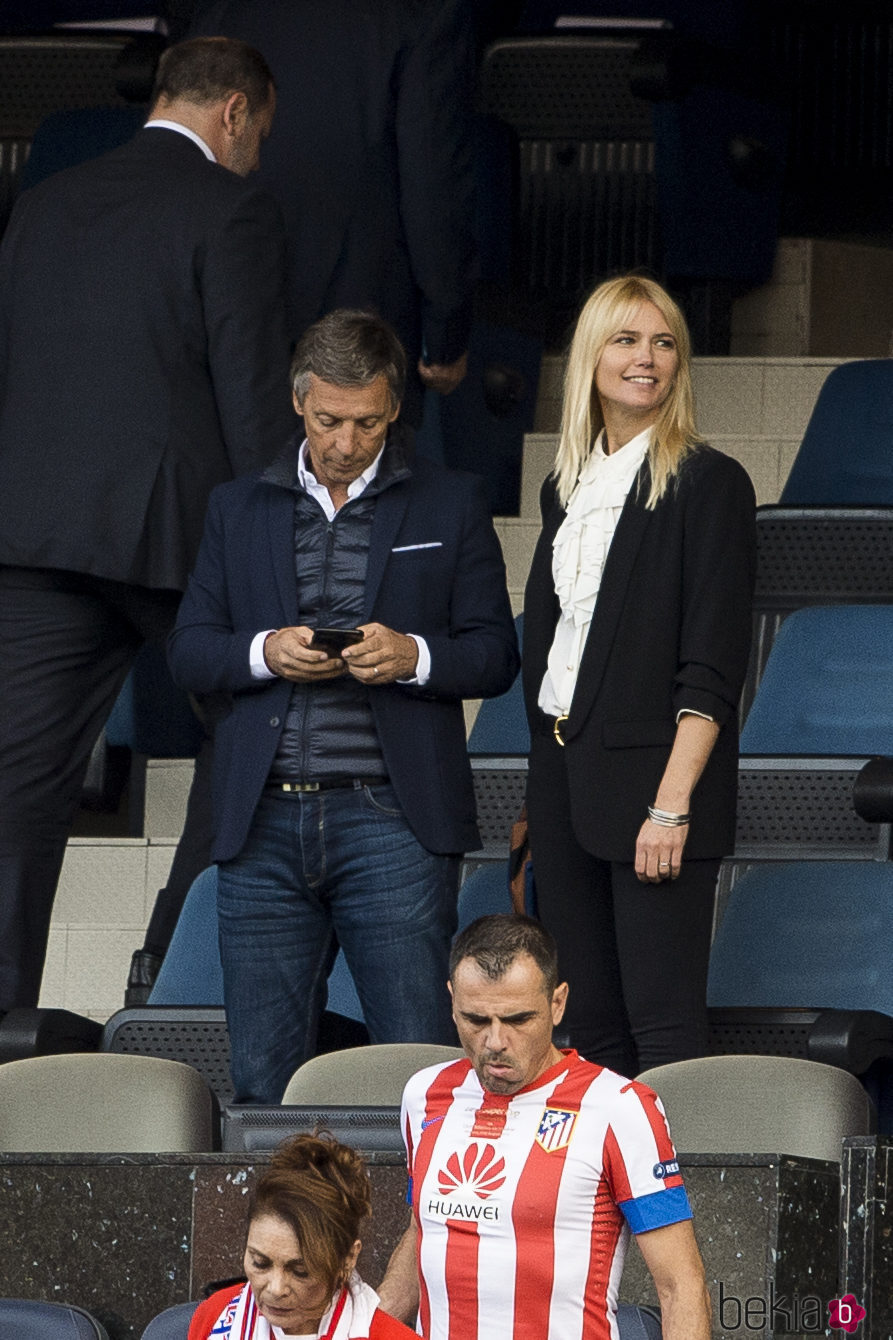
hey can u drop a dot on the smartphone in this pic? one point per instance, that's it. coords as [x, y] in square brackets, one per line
[334, 640]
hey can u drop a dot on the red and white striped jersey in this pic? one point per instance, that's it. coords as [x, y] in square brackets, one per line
[524, 1202]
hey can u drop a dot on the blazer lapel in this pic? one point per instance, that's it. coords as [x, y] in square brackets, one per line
[390, 508]
[610, 600]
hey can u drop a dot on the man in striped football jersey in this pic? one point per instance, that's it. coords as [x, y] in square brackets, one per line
[529, 1168]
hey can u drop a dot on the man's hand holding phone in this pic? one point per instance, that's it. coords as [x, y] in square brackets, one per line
[290, 653]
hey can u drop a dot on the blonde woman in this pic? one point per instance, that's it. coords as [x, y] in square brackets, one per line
[636, 638]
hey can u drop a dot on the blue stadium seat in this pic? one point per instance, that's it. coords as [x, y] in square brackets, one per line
[30, 1320]
[800, 966]
[151, 715]
[813, 934]
[191, 973]
[828, 685]
[171, 1324]
[483, 892]
[500, 727]
[847, 451]
[638, 1323]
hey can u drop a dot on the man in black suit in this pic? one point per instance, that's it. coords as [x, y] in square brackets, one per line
[343, 794]
[143, 359]
[370, 158]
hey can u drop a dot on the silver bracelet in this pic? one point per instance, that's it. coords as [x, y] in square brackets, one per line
[666, 819]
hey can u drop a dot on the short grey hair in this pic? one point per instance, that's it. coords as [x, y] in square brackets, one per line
[349, 348]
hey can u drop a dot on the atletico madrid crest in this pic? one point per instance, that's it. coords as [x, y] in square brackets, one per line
[556, 1129]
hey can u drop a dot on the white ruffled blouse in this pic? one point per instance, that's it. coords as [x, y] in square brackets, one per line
[579, 551]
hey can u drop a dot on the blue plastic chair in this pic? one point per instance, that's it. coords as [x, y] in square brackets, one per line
[151, 715]
[30, 1320]
[171, 1324]
[638, 1323]
[828, 685]
[812, 934]
[485, 891]
[500, 727]
[191, 974]
[847, 451]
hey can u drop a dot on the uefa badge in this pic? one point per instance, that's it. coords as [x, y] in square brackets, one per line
[556, 1129]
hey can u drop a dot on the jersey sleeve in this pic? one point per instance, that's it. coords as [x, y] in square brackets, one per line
[640, 1162]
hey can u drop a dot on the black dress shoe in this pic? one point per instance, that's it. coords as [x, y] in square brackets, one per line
[144, 968]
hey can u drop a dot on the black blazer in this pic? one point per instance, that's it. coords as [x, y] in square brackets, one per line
[671, 630]
[143, 358]
[435, 568]
[369, 156]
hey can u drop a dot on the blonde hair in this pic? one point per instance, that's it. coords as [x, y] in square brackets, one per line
[607, 310]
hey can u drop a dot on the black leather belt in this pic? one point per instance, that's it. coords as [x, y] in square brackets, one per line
[325, 784]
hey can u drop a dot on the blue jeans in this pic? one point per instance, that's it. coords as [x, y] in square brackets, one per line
[331, 865]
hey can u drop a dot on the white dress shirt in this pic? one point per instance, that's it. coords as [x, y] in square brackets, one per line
[160, 123]
[310, 484]
[579, 551]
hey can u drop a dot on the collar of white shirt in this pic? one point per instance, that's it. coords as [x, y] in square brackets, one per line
[310, 484]
[159, 123]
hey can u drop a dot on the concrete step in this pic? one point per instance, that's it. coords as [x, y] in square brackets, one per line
[105, 896]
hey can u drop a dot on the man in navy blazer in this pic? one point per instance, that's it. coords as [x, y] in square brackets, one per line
[343, 791]
[143, 360]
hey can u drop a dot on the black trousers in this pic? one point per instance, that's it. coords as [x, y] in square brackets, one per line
[635, 955]
[67, 641]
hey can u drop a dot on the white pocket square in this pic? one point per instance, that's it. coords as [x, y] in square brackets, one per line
[405, 548]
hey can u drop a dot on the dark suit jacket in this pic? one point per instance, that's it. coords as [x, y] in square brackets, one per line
[451, 591]
[671, 630]
[369, 156]
[143, 358]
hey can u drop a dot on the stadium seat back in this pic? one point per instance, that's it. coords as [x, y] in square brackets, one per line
[828, 685]
[27, 1319]
[102, 1103]
[364, 1076]
[765, 1104]
[171, 1324]
[813, 934]
[846, 455]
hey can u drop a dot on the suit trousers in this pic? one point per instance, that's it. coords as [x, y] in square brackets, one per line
[67, 641]
[635, 955]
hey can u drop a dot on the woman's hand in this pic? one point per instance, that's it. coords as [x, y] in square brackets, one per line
[659, 852]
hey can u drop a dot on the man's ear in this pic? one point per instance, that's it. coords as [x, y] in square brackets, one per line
[235, 113]
[298, 404]
[559, 1003]
[395, 411]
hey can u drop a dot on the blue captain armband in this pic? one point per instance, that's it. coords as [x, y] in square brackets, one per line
[661, 1208]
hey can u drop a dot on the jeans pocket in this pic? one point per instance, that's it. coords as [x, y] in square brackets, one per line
[393, 810]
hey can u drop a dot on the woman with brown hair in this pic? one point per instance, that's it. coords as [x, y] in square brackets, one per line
[301, 1252]
[637, 626]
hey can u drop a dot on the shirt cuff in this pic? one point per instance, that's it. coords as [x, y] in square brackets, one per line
[690, 712]
[423, 664]
[259, 667]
